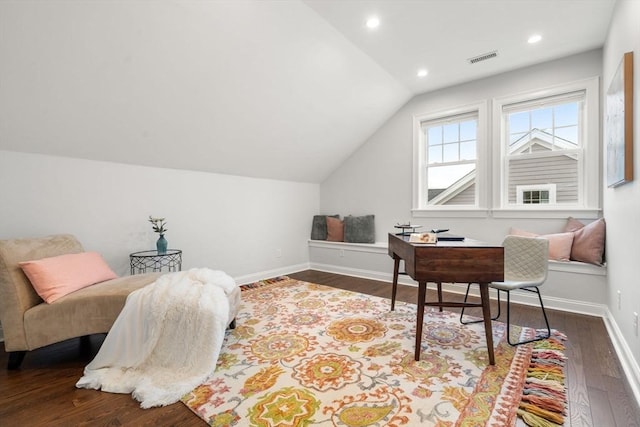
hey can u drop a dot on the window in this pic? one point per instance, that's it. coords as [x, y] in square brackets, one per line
[451, 160]
[536, 194]
[540, 157]
[548, 149]
[543, 145]
[446, 159]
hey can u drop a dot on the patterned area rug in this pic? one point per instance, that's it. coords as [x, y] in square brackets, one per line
[311, 355]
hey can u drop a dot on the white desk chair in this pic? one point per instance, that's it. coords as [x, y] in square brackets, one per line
[525, 268]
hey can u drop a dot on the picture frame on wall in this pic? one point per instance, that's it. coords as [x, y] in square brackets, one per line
[619, 124]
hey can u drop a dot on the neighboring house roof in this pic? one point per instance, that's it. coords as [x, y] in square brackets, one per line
[454, 189]
[433, 192]
[541, 138]
[522, 145]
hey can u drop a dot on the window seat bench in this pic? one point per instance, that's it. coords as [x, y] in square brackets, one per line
[571, 286]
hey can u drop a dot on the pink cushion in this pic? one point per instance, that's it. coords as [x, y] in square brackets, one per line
[335, 229]
[559, 243]
[588, 240]
[518, 232]
[55, 277]
[559, 246]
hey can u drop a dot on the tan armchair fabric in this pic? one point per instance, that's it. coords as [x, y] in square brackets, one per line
[29, 323]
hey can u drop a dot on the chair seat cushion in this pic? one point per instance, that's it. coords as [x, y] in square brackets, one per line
[510, 285]
[89, 310]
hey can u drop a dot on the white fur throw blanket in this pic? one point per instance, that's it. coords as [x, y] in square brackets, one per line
[167, 339]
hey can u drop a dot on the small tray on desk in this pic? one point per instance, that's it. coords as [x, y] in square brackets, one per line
[406, 229]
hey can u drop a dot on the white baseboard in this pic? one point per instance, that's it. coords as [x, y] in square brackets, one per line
[572, 306]
[628, 362]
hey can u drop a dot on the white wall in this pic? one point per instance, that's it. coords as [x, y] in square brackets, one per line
[235, 224]
[622, 204]
[378, 177]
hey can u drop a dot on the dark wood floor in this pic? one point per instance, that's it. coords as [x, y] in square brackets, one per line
[43, 393]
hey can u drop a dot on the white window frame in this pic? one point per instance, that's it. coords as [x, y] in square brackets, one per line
[482, 163]
[521, 189]
[589, 169]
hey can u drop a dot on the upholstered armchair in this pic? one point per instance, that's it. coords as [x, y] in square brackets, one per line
[28, 322]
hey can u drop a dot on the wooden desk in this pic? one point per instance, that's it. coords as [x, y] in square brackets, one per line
[468, 261]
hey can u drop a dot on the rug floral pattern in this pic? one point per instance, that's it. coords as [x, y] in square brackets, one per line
[310, 355]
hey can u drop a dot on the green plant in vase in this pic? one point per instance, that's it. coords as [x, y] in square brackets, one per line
[159, 226]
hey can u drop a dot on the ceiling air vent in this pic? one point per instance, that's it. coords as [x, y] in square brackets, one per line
[483, 57]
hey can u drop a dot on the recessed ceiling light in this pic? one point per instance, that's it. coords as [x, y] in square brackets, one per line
[534, 38]
[373, 22]
[422, 72]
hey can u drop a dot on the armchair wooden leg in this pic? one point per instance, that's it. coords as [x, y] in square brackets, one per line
[15, 359]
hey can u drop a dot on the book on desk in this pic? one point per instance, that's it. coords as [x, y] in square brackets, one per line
[433, 238]
[448, 237]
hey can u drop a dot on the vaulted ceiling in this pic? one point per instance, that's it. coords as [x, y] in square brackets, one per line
[271, 89]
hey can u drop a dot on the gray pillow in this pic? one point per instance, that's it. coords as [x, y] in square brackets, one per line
[319, 227]
[359, 229]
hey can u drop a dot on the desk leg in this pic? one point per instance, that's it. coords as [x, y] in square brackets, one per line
[422, 293]
[440, 295]
[486, 314]
[394, 289]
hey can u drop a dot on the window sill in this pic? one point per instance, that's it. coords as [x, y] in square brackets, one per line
[547, 213]
[377, 247]
[532, 213]
[450, 213]
[578, 267]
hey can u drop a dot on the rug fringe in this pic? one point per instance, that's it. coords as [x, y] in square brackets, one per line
[264, 282]
[535, 420]
[544, 399]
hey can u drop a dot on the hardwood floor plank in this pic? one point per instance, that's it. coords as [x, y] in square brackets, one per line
[43, 391]
[577, 392]
[580, 416]
[616, 390]
[624, 415]
[601, 413]
[603, 348]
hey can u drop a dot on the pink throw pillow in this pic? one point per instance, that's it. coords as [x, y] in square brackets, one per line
[55, 277]
[588, 240]
[560, 244]
[522, 233]
[335, 229]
